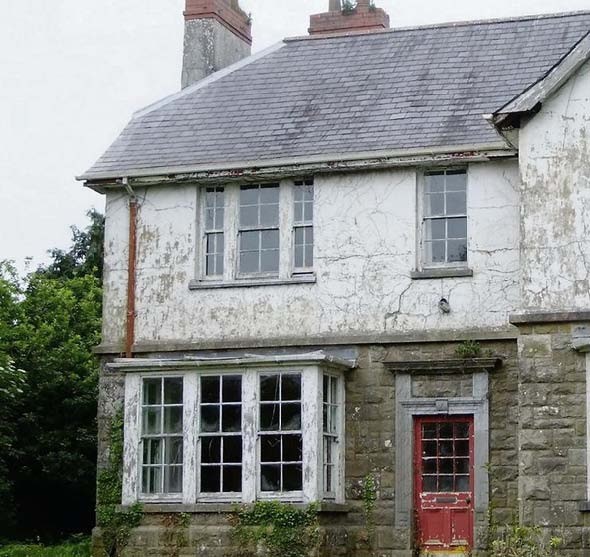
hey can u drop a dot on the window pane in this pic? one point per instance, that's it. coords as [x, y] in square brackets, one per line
[462, 431]
[270, 448]
[249, 262]
[232, 479]
[446, 465]
[152, 391]
[429, 431]
[173, 479]
[152, 451]
[435, 182]
[210, 219]
[445, 448]
[291, 387]
[462, 448]
[270, 477]
[291, 417]
[209, 419]
[152, 421]
[153, 482]
[231, 418]
[174, 448]
[269, 387]
[462, 483]
[232, 449]
[209, 389]
[435, 229]
[211, 450]
[299, 257]
[435, 252]
[299, 236]
[429, 448]
[270, 239]
[429, 465]
[173, 419]
[249, 216]
[292, 477]
[457, 228]
[173, 391]
[456, 204]
[462, 466]
[308, 212]
[298, 212]
[269, 194]
[456, 180]
[249, 195]
[269, 417]
[446, 431]
[250, 241]
[270, 261]
[435, 204]
[457, 250]
[232, 388]
[445, 483]
[429, 484]
[292, 448]
[269, 215]
[210, 479]
[219, 219]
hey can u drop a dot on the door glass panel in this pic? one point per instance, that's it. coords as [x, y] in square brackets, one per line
[445, 457]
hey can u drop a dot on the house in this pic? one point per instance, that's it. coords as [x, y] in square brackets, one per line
[357, 259]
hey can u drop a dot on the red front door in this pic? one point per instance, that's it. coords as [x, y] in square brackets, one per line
[443, 483]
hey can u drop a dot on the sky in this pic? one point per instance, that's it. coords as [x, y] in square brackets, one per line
[73, 71]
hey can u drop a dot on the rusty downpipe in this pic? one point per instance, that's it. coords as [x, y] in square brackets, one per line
[131, 271]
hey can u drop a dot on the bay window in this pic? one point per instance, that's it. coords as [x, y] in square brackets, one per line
[212, 432]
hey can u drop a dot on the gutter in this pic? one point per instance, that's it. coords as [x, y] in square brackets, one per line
[282, 168]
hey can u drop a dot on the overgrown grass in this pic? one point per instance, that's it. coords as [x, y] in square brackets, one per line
[72, 549]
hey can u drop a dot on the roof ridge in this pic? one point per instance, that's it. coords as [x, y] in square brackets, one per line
[446, 24]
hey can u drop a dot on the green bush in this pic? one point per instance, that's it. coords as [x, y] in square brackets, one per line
[72, 549]
[523, 541]
[280, 529]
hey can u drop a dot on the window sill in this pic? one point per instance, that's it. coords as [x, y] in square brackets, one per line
[443, 272]
[222, 508]
[247, 283]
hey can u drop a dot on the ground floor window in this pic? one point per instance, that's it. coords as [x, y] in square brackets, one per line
[234, 434]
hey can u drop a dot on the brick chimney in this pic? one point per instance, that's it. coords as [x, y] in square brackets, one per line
[349, 17]
[217, 33]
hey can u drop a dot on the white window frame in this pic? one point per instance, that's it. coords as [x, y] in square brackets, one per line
[311, 428]
[287, 225]
[422, 263]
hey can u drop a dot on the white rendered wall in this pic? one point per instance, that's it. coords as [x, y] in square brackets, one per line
[555, 166]
[366, 238]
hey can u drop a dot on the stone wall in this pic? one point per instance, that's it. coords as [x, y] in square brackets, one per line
[370, 449]
[552, 434]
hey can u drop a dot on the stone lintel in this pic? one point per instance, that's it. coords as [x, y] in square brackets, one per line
[438, 367]
[536, 317]
[584, 506]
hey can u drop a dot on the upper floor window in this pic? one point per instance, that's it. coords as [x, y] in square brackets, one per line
[444, 217]
[303, 227]
[256, 231]
[259, 234]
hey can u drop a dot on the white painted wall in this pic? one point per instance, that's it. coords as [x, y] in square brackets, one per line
[555, 167]
[365, 227]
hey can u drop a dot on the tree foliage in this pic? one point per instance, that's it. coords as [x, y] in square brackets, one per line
[49, 323]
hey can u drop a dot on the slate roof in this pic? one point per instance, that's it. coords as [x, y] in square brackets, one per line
[423, 87]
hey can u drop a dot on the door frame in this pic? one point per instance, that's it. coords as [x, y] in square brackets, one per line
[406, 408]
